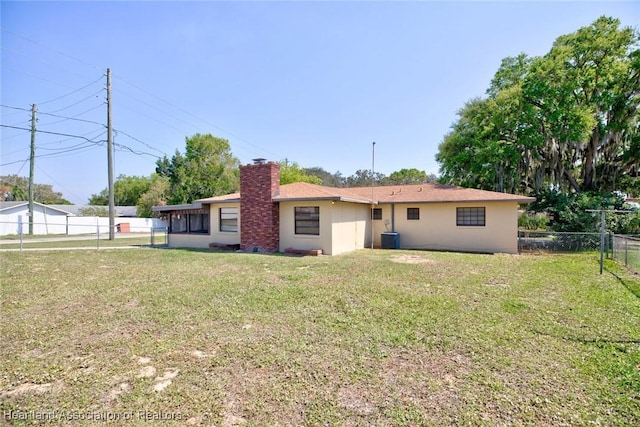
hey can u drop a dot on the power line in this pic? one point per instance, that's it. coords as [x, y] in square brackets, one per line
[60, 116]
[48, 132]
[138, 140]
[71, 93]
[73, 118]
[82, 144]
[49, 48]
[197, 118]
[82, 100]
[36, 77]
[56, 182]
[13, 163]
[86, 147]
[15, 108]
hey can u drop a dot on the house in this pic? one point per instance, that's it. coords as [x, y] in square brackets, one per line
[268, 217]
[14, 218]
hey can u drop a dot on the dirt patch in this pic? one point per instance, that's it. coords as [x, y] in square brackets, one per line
[31, 388]
[429, 381]
[411, 259]
[117, 391]
[146, 372]
[352, 398]
[165, 380]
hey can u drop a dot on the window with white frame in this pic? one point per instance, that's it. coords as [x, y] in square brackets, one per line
[229, 219]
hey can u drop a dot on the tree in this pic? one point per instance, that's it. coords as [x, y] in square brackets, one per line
[364, 178]
[292, 172]
[328, 179]
[568, 120]
[156, 195]
[94, 211]
[127, 190]
[586, 93]
[206, 169]
[17, 188]
[409, 176]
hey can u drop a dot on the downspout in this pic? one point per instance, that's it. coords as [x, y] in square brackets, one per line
[393, 217]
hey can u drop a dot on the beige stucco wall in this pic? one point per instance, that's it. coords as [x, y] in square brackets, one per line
[351, 227]
[437, 229]
[200, 241]
[197, 241]
[343, 227]
[224, 237]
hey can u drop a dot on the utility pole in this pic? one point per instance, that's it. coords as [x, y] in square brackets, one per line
[112, 208]
[32, 164]
[373, 164]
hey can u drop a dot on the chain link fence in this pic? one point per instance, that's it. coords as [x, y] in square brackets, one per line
[550, 241]
[126, 234]
[624, 249]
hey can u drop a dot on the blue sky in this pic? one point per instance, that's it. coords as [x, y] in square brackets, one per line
[313, 82]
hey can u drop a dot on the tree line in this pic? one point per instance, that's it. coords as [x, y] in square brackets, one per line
[206, 168]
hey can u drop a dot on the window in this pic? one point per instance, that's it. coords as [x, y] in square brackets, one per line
[307, 220]
[198, 223]
[189, 223]
[376, 213]
[413, 213]
[470, 216]
[229, 219]
[178, 223]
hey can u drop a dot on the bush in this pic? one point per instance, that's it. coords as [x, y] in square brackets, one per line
[533, 222]
[571, 212]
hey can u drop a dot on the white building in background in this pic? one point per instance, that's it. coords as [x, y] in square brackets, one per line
[65, 219]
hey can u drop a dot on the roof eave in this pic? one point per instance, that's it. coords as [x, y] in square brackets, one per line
[168, 208]
[325, 198]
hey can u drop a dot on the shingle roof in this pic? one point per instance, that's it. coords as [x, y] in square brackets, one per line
[414, 193]
[436, 193]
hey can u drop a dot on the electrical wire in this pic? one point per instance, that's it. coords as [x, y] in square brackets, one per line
[138, 140]
[262, 149]
[71, 93]
[82, 100]
[56, 182]
[47, 132]
[49, 48]
[13, 163]
[96, 144]
[36, 77]
[72, 118]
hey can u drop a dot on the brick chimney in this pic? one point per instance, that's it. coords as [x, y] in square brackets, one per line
[259, 214]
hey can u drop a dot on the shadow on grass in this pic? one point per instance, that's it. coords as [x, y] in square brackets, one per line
[632, 286]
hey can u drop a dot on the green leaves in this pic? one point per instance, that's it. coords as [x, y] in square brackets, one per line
[206, 169]
[569, 119]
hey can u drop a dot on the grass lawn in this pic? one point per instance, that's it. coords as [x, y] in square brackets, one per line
[88, 243]
[384, 338]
